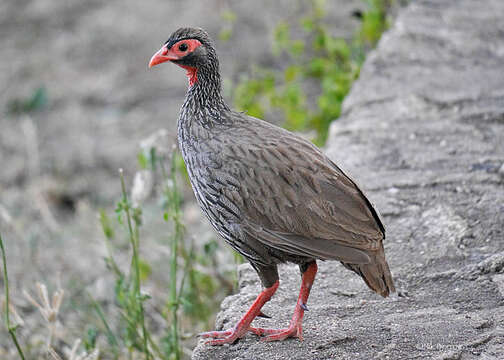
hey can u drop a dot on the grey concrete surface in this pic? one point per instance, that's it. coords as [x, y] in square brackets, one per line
[423, 132]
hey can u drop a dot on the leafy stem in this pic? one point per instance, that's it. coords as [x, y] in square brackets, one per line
[11, 329]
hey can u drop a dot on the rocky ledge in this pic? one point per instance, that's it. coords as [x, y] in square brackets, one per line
[423, 131]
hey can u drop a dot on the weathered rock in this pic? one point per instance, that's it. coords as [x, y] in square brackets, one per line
[423, 131]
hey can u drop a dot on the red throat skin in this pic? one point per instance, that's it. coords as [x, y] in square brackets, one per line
[192, 74]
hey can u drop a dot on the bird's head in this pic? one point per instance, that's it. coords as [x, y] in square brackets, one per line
[189, 48]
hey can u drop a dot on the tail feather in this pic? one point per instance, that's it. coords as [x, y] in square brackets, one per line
[376, 274]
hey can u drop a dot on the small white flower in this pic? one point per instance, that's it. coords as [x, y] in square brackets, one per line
[142, 187]
[169, 184]
[158, 140]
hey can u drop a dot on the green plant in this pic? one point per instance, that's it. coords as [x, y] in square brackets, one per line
[173, 213]
[319, 59]
[193, 294]
[228, 19]
[136, 298]
[128, 293]
[128, 296]
[374, 21]
[10, 328]
[36, 101]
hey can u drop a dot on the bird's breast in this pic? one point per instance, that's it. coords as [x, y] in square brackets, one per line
[214, 183]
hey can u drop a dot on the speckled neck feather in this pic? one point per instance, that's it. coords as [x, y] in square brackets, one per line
[203, 101]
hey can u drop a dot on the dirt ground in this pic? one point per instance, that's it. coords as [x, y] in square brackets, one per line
[58, 164]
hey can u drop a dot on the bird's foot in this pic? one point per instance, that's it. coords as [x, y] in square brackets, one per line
[240, 329]
[294, 330]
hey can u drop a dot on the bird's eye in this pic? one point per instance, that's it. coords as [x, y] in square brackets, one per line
[183, 47]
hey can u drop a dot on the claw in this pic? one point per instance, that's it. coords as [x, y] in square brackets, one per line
[227, 340]
[279, 334]
[263, 315]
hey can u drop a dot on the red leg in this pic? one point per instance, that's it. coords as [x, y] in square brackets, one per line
[295, 329]
[240, 329]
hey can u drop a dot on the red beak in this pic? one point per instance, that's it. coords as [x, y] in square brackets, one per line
[161, 56]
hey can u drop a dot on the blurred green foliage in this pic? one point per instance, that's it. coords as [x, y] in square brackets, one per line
[11, 328]
[319, 59]
[36, 101]
[228, 20]
[195, 287]
[374, 21]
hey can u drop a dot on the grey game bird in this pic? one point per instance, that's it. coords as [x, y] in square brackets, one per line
[272, 195]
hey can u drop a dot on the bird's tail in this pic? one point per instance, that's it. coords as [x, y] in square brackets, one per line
[376, 274]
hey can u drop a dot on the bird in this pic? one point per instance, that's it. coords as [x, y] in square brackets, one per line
[272, 195]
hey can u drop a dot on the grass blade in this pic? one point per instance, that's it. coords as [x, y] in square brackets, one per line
[11, 329]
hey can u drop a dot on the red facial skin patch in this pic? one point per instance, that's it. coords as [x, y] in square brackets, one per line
[178, 51]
